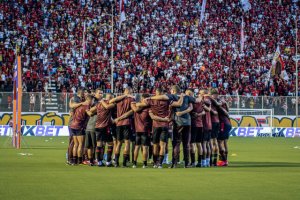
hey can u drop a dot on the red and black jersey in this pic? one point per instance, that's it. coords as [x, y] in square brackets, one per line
[80, 117]
[214, 118]
[123, 107]
[197, 108]
[142, 121]
[207, 117]
[159, 108]
[103, 116]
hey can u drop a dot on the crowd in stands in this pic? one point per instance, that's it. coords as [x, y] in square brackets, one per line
[161, 43]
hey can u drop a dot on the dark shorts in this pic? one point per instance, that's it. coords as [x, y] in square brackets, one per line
[70, 132]
[133, 137]
[224, 131]
[215, 130]
[142, 139]
[123, 132]
[75, 132]
[181, 134]
[103, 134]
[206, 135]
[113, 130]
[160, 134]
[90, 139]
[197, 135]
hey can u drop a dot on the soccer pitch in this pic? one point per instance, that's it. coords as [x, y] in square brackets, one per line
[260, 168]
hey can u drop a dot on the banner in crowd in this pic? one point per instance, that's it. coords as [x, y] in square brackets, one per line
[202, 11]
[54, 131]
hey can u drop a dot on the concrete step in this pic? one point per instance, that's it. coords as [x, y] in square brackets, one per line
[52, 103]
[52, 108]
[47, 99]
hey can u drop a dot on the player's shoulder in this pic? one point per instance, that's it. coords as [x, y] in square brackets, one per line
[172, 97]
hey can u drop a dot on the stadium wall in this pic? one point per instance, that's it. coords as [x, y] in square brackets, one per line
[62, 119]
[55, 124]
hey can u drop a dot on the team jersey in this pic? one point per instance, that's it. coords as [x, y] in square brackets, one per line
[214, 118]
[197, 120]
[123, 107]
[207, 117]
[80, 117]
[159, 108]
[76, 99]
[103, 116]
[142, 121]
[224, 118]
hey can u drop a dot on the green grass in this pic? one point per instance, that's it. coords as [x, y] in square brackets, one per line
[263, 168]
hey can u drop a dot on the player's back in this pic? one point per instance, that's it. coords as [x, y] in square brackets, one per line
[197, 120]
[142, 121]
[123, 107]
[160, 108]
[80, 117]
[207, 117]
[103, 116]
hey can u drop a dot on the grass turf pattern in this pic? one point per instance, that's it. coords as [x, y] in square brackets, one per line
[260, 168]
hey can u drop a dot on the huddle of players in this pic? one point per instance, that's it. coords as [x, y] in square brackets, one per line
[201, 124]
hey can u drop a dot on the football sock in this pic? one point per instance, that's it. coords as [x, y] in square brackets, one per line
[161, 158]
[154, 159]
[101, 153]
[215, 157]
[117, 156]
[109, 153]
[193, 158]
[79, 160]
[199, 159]
[75, 159]
[98, 150]
[125, 159]
[145, 163]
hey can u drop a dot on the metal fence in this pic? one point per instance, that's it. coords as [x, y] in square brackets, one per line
[58, 102]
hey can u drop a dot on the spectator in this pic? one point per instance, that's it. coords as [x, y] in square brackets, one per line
[160, 44]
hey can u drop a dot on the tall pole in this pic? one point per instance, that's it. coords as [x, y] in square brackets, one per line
[296, 60]
[112, 48]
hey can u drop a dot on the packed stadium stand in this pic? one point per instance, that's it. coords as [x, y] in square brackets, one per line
[161, 43]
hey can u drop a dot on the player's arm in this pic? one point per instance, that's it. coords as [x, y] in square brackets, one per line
[124, 116]
[214, 112]
[107, 106]
[157, 118]
[179, 102]
[188, 110]
[91, 111]
[143, 104]
[225, 112]
[117, 99]
[160, 97]
[207, 108]
[216, 103]
[74, 105]
[134, 107]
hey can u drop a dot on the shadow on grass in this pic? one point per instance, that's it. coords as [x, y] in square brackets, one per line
[263, 164]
